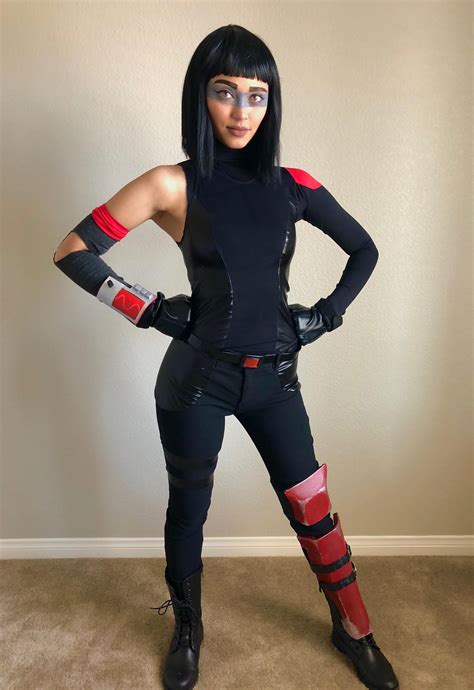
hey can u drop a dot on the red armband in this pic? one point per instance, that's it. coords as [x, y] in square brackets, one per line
[108, 224]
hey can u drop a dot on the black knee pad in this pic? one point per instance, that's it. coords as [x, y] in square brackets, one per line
[187, 472]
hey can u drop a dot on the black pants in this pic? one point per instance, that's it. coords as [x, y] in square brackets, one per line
[194, 393]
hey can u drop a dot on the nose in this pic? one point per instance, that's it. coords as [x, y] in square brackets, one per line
[242, 117]
[240, 108]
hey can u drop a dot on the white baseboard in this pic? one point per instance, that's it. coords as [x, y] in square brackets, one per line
[228, 547]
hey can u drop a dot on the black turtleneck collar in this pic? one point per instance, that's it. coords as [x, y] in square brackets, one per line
[237, 163]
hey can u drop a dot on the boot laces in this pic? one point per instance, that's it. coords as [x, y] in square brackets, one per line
[186, 614]
[369, 641]
[184, 610]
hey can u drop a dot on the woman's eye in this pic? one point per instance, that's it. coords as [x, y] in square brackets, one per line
[254, 95]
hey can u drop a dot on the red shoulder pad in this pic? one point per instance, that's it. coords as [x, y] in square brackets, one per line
[304, 178]
[108, 224]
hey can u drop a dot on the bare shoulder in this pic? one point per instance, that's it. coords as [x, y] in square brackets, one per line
[171, 188]
[154, 191]
[159, 194]
[169, 184]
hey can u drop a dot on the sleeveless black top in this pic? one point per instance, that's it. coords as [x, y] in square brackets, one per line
[238, 242]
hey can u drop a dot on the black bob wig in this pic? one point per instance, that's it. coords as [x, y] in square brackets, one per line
[235, 51]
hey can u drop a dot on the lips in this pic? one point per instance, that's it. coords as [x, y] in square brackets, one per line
[239, 129]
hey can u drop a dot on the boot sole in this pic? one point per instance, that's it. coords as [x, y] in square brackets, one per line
[341, 648]
[167, 687]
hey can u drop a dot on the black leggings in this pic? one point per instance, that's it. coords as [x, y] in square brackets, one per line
[194, 393]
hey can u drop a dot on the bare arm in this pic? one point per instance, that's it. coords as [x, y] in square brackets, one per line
[151, 193]
[78, 255]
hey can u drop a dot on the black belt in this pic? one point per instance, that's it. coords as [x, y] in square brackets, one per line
[239, 358]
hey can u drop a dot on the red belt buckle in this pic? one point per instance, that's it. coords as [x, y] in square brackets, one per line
[251, 362]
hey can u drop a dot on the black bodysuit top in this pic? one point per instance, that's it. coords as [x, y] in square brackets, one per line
[238, 242]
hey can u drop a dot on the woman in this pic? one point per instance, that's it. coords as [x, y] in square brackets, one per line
[232, 210]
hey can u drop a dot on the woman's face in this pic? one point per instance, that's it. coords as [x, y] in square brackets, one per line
[236, 102]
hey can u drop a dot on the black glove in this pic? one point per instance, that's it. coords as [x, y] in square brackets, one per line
[308, 322]
[312, 322]
[171, 316]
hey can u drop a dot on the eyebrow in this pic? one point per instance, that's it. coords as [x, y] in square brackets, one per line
[252, 88]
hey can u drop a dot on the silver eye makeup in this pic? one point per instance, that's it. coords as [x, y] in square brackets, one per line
[252, 95]
[243, 99]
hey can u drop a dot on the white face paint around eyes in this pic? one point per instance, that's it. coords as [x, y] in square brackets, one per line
[244, 99]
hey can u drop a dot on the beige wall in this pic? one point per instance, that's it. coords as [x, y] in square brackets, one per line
[376, 106]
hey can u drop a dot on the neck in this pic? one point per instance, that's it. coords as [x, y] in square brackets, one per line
[239, 162]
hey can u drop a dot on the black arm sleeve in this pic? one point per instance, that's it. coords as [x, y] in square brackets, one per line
[321, 209]
[85, 267]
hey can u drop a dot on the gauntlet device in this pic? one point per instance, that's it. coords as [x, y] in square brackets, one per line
[129, 300]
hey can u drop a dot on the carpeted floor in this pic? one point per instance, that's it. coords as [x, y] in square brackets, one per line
[86, 623]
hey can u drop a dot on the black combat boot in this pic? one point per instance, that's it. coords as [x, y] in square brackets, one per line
[181, 664]
[371, 665]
